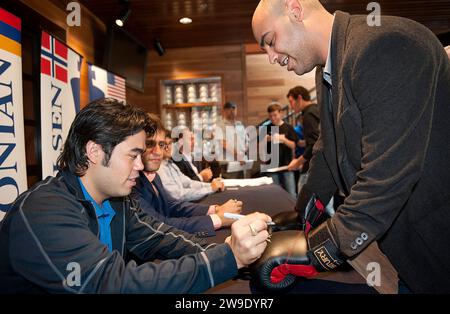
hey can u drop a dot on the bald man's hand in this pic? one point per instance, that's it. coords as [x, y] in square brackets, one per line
[248, 238]
[447, 50]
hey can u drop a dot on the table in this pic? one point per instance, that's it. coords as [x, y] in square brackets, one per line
[272, 199]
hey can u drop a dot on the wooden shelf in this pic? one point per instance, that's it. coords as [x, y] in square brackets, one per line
[190, 105]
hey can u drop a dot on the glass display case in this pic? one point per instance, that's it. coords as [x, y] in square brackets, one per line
[194, 103]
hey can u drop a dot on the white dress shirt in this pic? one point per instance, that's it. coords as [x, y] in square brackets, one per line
[180, 186]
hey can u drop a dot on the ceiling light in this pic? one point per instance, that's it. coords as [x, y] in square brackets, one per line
[158, 46]
[119, 22]
[123, 16]
[185, 20]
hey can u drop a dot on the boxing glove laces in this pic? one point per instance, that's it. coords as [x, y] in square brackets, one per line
[309, 213]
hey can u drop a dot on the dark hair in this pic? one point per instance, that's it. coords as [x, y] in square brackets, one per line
[106, 122]
[229, 104]
[168, 134]
[299, 91]
[159, 127]
[274, 107]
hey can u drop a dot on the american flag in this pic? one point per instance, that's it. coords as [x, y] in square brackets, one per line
[116, 87]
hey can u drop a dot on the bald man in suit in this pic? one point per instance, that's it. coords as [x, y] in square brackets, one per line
[384, 95]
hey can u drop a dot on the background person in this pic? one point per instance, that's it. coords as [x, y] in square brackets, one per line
[300, 101]
[178, 185]
[233, 139]
[285, 138]
[185, 148]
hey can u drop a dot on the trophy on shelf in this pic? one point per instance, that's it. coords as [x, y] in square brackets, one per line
[179, 94]
[214, 92]
[191, 93]
[181, 119]
[203, 92]
[168, 121]
[191, 103]
[168, 95]
[196, 122]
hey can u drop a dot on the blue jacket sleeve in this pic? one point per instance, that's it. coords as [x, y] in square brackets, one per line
[200, 225]
[182, 208]
[190, 265]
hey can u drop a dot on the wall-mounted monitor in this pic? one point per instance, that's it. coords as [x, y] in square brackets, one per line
[127, 57]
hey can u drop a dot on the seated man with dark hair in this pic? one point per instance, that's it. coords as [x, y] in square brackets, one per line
[83, 219]
[153, 198]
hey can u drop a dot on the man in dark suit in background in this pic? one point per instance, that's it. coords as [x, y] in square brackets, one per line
[384, 96]
[185, 163]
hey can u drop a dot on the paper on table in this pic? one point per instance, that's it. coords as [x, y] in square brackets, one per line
[234, 166]
[276, 169]
[247, 182]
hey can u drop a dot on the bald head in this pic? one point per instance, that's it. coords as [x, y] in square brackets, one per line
[294, 33]
[278, 7]
[273, 8]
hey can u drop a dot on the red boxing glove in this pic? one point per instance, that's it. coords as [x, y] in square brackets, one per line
[291, 254]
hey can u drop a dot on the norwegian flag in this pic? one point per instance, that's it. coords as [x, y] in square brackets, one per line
[60, 95]
[53, 58]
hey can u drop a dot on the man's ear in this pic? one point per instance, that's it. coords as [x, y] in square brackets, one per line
[94, 152]
[295, 10]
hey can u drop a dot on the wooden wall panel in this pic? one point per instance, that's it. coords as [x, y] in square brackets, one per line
[267, 83]
[248, 78]
[225, 61]
[87, 39]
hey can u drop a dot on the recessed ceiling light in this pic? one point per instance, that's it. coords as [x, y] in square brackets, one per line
[120, 21]
[185, 20]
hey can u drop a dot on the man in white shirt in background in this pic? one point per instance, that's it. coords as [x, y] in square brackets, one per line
[234, 142]
[178, 185]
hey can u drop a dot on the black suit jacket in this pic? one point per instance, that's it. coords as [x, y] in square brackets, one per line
[187, 216]
[385, 143]
[186, 169]
[311, 122]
